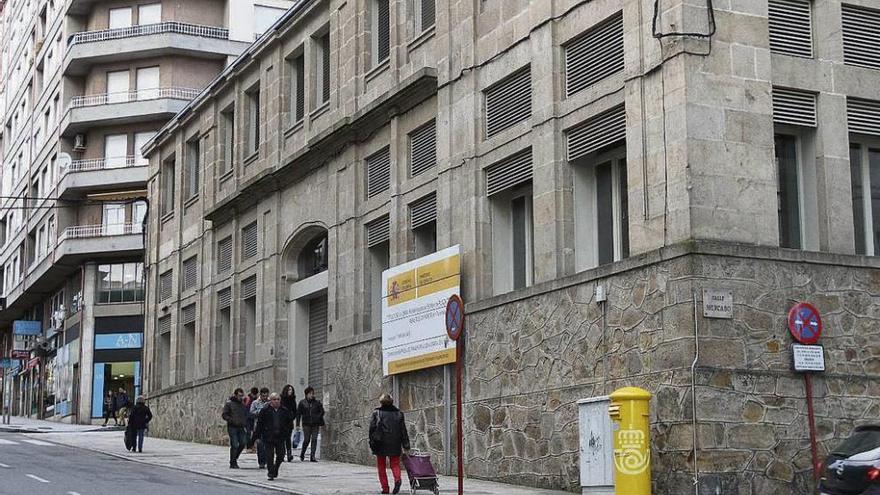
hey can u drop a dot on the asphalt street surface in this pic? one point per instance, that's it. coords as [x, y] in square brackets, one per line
[32, 466]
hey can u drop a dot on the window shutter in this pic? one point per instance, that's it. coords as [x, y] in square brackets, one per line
[224, 298]
[509, 172]
[165, 287]
[224, 254]
[249, 287]
[190, 273]
[861, 36]
[595, 55]
[164, 324]
[794, 107]
[596, 133]
[299, 67]
[509, 101]
[249, 241]
[423, 211]
[188, 314]
[378, 231]
[863, 116]
[791, 27]
[429, 14]
[383, 30]
[325, 67]
[379, 172]
[423, 148]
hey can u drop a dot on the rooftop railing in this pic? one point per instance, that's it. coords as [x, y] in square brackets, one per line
[133, 95]
[148, 29]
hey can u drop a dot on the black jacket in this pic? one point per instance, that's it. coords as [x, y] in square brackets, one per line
[140, 416]
[310, 412]
[289, 403]
[273, 425]
[235, 413]
[122, 401]
[388, 435]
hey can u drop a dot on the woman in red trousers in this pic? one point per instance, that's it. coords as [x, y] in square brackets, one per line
[388, 438]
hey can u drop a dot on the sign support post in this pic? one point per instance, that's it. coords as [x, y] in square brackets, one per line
[455, 329]
[805, 325]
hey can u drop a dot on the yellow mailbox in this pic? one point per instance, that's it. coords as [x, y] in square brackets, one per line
[630, 410]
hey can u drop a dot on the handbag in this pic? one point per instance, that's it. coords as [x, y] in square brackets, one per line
[297, 438]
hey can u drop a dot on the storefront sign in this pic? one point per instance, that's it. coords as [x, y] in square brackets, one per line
[26, 327]
[20, 354]
[718, 303]
[414, 297]
[808, 357]
[119, 341]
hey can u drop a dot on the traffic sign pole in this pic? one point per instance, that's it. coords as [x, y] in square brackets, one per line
[805, 325]
[808, 385]
[455, 330]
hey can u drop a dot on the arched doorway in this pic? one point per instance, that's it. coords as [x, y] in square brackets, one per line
[306, 270]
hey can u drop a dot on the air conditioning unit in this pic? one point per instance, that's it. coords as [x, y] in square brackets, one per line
[79, 142]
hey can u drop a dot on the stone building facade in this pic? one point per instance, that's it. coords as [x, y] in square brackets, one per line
[650, 149]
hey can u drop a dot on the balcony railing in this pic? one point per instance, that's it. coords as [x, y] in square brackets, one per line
[91, 231]
[133, 95]
[148, 29]
[106, 163]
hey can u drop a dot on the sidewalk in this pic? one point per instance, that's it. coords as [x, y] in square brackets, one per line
[321, 478]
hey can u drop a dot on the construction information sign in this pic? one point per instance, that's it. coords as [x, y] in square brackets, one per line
[414, 297]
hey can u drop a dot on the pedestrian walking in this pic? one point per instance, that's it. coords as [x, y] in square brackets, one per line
[274, 424]
[249, 399]
[256, 407]
[122, 405]
[388, 439]
[310, 413]
[109, 409]
[236, 416]
[139, 420]
[288, 401]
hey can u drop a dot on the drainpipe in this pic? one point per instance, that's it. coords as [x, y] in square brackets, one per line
[694, 397]
[82, 290]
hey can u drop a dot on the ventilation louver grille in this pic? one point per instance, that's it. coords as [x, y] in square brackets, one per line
[791, 27]
[509, 172]
[423, 148]
[379, 172]
[596, 132]
[188, 314]
[190, 273]
[378, 231]
[861, 36]
[224, 254]
[249, 241]
[794, 107]
[509, 102]
[595, 55]
[224, 298]
[863, 116]
[249, 287]
[165, 287]
[423, 211]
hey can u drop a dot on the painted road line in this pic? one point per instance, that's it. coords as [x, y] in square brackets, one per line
[6, 466]
[72, 493]
[35, 477]
[39, 442]
[7, 442]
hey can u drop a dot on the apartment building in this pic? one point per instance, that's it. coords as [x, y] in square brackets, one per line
[599, 163]
[85, 85]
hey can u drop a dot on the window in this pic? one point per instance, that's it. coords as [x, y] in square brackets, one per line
[509, 102]
[193, 166]
[164, 355]
[228, 119]
[187, 343]
[253, 99]
[313, 259]
[115, 150]
[248, 320]
[381, 30]
[788, 191]
[249, 241]
[114, 219]
[117, 86]
[140, 139]
[378, 174]
[120, 282]
[423, 148]
[423, 225]
[119, 18]
[861, 32]
[378, 259]
[595, 55]
[865, 175]
[147, 83]
[166, 285]
[297, 89]
[224, 254]
[425, 14]
[150, 13]
[167, 181]
[791, 27]
[601, 209]
[508, 185]
[322, 72]
[190, 271]
[223, 339]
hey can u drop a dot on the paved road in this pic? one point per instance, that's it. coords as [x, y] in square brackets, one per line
[33, 466]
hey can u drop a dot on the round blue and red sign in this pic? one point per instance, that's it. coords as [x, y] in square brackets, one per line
[804, 323]
[454, 316]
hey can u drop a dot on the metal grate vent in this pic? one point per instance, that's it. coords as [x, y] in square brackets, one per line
[190, 273]
[224, 298]
[429, 14]
[249, 287]
[164, 324]
[863, 116]
[509, 172]
[378, 231]
[595, 55]
[791, 27]
[596, 133]
[423, 211]
[383, 30]
[165, 285]
[249, 241]
[509, 101]
[224, 254]
[378, 172]
[423, 148]
[188, 314]
[861, 36]
[791, 106]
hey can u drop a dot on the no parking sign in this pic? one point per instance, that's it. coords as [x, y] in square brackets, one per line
[804, 323]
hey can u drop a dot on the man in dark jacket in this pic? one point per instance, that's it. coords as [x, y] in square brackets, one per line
[122, 405]
[273, 426]
[310, 413]
[139, 419]
[388, 438]
[236, 416]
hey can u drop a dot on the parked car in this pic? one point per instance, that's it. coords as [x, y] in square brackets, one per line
[853, 468]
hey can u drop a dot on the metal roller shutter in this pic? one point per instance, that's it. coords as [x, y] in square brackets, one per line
[595, 55]
[224, 298]
[423, 148]
[317, 341]
[861, 36]
[423, 211]
[794, 107]
[378, 172]
[509, 172]
[596, 133]
[378, 231]
[863, 116]
[249, 287]
[791, 27]
[249, 241]
[224, 254]
[188, 314]
[509, 101]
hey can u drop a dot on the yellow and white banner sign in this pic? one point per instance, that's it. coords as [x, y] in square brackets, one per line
[414, 297]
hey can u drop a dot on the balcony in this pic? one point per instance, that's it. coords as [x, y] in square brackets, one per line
[86, 48]
[102, 174]
[124, 108]
[89, 241]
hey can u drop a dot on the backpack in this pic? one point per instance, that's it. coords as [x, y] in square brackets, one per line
[380, 432]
